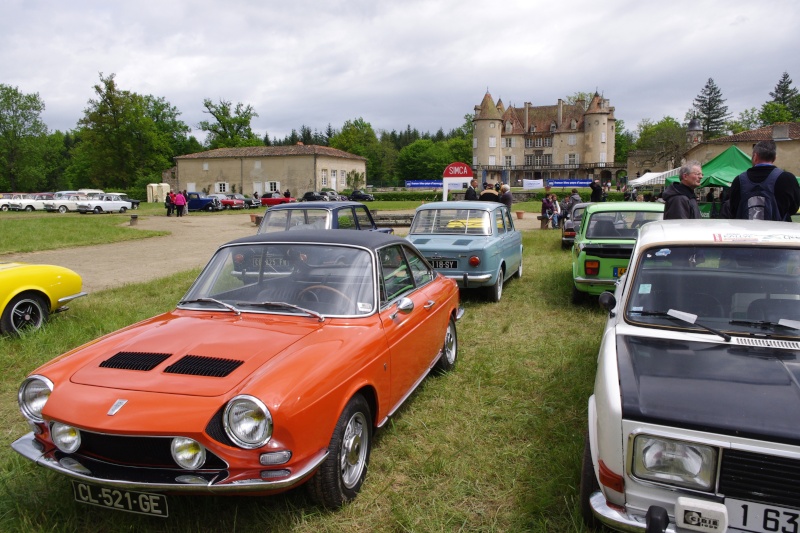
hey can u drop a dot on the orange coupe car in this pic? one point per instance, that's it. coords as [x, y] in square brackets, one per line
[275, 369]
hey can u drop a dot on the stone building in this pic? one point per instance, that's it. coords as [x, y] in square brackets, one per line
[562, 141]
[265, 169]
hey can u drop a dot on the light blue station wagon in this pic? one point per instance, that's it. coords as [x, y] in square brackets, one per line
[473, 243]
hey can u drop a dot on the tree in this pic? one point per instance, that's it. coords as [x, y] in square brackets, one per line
[579, 96]
[23, 136]
[784, 93]
[357, 137]
[355, 180]
[773, 112]
[710, 109]
[169, 127]
[747, 120]
[663, 141]
[624, 141]
[231, 125]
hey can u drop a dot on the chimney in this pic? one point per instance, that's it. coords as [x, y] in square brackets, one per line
[560, 112]
[527, 117]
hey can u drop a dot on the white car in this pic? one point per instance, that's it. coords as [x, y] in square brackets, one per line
[103, 203]
[30, 202]
[694, 423]
[64, 204]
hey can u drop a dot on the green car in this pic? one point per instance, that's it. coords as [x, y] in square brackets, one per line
[604, 242]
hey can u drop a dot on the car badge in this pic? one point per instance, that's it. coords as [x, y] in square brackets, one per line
[116, 407]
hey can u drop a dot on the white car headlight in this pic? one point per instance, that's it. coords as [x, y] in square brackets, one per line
[66, 438]
[33, 394]
[188, 453]
[675, 462]
[247, 422]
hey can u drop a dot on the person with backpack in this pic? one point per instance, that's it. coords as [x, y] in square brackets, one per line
[764, 192]
[679, 197]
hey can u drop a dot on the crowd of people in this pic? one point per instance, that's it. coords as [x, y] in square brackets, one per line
[175, 202]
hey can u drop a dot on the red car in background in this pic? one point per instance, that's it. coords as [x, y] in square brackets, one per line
[275, 198]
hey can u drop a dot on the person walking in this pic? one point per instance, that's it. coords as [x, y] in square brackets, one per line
[180, 203]
[169, 202]
[764, 191]
[679, 197]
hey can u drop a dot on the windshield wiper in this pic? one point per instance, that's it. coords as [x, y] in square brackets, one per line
[765, 324]
[689, 318]
[284, 305]
[229, 307]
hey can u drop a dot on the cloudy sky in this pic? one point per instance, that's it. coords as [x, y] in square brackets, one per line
[394, 63]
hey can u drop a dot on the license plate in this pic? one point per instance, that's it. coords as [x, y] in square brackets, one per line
[120, 499]
[619, 271]
[445, 264]
[758, 517]
[269, 261]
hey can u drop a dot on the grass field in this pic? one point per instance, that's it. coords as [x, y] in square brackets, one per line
[494, 446]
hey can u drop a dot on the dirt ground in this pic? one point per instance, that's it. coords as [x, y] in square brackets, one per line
[191, 243]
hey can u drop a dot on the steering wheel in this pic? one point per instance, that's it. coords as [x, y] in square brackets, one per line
[301, 296]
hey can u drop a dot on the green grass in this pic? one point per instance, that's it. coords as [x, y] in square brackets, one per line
[494, 446]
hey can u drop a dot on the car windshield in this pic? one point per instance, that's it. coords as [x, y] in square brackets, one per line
[452, 222]
[304, 279]
[294, 219]
[618, 224]
[750, 290]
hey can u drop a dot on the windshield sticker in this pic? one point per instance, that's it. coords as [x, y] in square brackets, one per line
[645, 288]
[750, 237]
[664, 252]
[364, 307]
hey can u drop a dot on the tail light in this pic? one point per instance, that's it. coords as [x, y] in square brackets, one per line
[569, 233]
[474, 261]
[592, 268]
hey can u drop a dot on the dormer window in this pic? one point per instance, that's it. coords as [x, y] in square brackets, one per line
[509, 127]
[533, 129]
[573, 124]
[553, 126]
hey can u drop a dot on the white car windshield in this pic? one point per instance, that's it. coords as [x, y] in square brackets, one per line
[736, 289]
[287, 279]
[294, 219]
[451, 222]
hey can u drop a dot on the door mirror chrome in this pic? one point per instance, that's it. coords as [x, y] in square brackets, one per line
[404, 305]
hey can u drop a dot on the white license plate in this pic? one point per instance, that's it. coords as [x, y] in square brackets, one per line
[120, 499]
[619, 271]
[757, 517]
[269, 261]
[444, 264]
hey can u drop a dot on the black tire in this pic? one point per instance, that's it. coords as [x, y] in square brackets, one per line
[589, 486]
[578, 297]
[4, 207]
[62, 209]
[122, 210]
[98, 210]
[447, 361]
[28, 208]
[210, 207]
[495, 292]
[340, 476]
[25, 312]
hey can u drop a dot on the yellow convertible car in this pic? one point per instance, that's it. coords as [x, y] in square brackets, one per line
[29, 293]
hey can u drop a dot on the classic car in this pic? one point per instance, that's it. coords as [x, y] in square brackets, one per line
[360, 196]
[248, 203]
[29, 294]
[7, 198]
[30, 202]
[473, 243]
[196, 201]
[571, 222]
[322, 215]
[333, 196]
[603, 244]
[103, 203]
[275, 198]
[64, 203]
[692, 425]
[314, 196]
[275, 369]
[125, 197]
[227, 201]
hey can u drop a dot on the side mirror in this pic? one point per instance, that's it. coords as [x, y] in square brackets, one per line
[404, 305]
[607, 301]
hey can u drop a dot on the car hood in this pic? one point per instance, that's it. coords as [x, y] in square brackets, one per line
[191, 353]
[724, 388]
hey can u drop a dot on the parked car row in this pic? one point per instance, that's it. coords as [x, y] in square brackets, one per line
[93, 200]
[328, 196]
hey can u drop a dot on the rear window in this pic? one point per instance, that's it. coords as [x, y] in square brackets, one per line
[452, 221]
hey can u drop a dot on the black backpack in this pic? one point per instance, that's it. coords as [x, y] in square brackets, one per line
[757, 200]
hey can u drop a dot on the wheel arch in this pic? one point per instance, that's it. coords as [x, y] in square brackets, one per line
[28, 290]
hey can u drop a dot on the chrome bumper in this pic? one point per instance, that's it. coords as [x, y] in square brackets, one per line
[616, 519]
[157, 479]
[67, 299]
[591, 281]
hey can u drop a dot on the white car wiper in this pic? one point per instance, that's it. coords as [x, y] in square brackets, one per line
[689, 318]
[213, 301]
[284, 305]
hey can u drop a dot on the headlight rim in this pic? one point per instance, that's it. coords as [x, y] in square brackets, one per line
[59, 443]
[200, 459]
[231, 433]
[652, 476]
[24, 406]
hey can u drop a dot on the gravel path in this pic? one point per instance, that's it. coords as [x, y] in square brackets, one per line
[192, 241]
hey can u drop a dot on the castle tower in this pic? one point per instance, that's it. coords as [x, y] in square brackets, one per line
[599, 127]
[694, 132]
[487, 131]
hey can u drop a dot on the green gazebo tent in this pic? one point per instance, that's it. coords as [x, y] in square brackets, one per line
[720, 171]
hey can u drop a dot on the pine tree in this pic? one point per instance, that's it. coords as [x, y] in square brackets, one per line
[784, 93]
[711, 110]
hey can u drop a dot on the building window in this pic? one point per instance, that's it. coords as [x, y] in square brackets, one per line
[492, 142]
[528, 143]
[572, 140]
[538, 160]
[474, 160]
[273, 186]
[533, 129]
[572, 159]
[528, 160]
[552, 126]
[572, 174]
[474, 142]
[602, 157]
[509, 127]
[324, 177]
[221, 186]
[343, 179]
[257, 165]
[508, 160]
[333, 178]
[491, 125]
[573, 124]
[547, 159]
[205, 166]
[492, 160]
[548, 141]
[602, 136]
[538, 142]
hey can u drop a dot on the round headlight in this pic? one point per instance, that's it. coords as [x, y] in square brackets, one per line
[33, 394]
[66, 438]
[188, 453]
[248, 422]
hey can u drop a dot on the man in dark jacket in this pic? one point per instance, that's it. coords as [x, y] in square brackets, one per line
[679, 197]
[783, 185]
[471, 193]
[597, 191]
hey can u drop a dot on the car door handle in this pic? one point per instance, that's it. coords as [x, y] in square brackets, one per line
[430, 304]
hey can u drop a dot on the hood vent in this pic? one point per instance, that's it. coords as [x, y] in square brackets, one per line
[135, 361]
[462, 242]
[196, 365]
[768, 343]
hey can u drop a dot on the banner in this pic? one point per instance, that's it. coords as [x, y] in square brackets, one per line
[569, 183]
[424, 184]
[533, 184]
